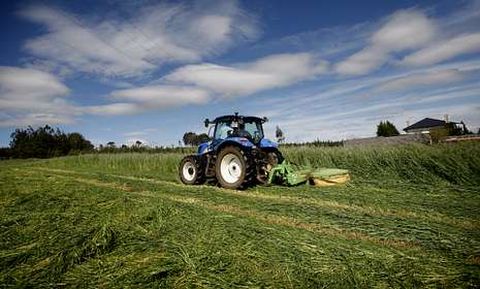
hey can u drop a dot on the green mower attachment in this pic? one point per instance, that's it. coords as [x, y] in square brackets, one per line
[292, 175]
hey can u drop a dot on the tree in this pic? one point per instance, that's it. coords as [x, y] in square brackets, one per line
[77, 142]
[279, 135]
[189, 138]
[45, 142]
[201, 138]
[386, 129]
[439, 134]
[193, 139]
[5, 153]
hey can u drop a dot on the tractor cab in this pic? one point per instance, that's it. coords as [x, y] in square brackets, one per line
[229, 126]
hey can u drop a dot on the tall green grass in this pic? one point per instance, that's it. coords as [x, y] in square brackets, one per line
[452, 163]
[163, 166]
[457, 164]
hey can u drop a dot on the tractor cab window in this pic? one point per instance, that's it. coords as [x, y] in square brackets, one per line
[223, 130]
[254, 129]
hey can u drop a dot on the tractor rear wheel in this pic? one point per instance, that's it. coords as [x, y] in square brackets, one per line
[233, 169]
[190, 171]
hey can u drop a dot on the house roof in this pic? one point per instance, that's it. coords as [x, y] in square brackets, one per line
[426, 123]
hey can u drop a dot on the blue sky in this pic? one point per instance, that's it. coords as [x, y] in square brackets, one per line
[152, 70]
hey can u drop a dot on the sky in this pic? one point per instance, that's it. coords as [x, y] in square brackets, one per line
[152, 70]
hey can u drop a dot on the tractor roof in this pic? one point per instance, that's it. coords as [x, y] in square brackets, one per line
[232, 117]
[244, 118]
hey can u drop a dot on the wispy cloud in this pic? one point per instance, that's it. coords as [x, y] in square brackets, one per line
[357, 120]
[129, 47]
[155, 97]
[352, 108]
[444, 50]
[247, 78]
[29, 84]
[412, 81]
[141, 133]
[403, 30]
[118, 108]
[29, 96]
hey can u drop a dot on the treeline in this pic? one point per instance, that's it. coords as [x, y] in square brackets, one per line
[317, 143]
[111, 148]
[44, 142]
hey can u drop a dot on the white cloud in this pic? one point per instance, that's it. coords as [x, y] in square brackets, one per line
[444, 50]
[163, 96]
[411, 81]
[29, 84]
[362, 62]
[113, 109]
[247, 78]
[406, 29]
[132, 46]
[33, 97]
[30, 97]
[154, 97]
[34, 119]
[140, 133]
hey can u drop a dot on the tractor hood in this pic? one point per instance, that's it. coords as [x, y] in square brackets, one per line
[266, 143]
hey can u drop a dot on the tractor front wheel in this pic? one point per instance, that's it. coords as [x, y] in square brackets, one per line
[190, 171]
[232, 169]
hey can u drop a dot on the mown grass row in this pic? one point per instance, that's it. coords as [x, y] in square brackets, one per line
[77, 229]
[410, 218]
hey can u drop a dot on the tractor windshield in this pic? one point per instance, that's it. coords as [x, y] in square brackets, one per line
[249, 129]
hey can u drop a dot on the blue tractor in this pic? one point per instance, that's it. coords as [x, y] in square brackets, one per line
[238, 156]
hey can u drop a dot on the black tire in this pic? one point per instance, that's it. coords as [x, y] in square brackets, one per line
[233, 168]
[191, 171]
[278, 155]
[273, 158]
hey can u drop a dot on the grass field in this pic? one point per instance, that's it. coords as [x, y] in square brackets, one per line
[409, 218]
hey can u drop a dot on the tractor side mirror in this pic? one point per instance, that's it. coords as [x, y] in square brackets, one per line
[206, 122]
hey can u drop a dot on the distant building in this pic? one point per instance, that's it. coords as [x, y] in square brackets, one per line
[425, 125]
